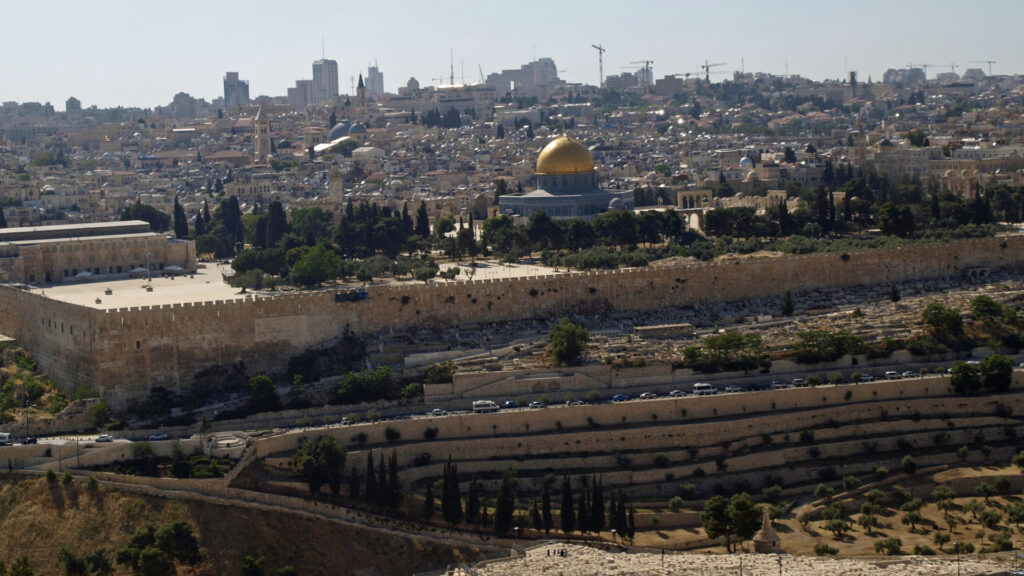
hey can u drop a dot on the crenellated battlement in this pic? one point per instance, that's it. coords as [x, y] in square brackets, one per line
[125, 351]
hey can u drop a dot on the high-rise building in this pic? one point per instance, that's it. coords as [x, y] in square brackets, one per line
[73, 107]
[540, 72]
[302, 94]
[236, 92]
[325, 80]
[375, 81]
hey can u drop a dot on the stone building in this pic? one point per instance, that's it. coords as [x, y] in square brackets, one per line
[68, 253]
[566, 186]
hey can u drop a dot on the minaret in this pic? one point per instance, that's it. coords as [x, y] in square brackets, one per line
[261, 135]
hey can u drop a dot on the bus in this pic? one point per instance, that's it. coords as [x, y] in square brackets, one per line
[483, 406]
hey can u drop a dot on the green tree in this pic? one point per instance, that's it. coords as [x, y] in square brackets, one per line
[506, 505]
[996, 373]
[312, 224]
[568, 342]
[100, 414]
[714, 517]
[158, 221]
[254, 566]
[263, 394]
[568, 513]
[320, 462]
[965, 378]
[422, 221]
[316, 265]
[180, 220]
[545, 506]
[277, 223]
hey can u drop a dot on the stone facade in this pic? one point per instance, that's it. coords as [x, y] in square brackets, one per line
[124, 352]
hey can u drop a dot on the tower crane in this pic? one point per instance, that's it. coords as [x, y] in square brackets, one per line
[707, 69]
[600, 63]
[647, 72]
[989, 62]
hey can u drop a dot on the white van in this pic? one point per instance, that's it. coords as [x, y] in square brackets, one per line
[704, 389]
[5, 438]
[481, 406]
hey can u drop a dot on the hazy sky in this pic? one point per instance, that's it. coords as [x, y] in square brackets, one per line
[141, 53]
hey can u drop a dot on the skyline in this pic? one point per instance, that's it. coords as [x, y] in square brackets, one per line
[114, 53]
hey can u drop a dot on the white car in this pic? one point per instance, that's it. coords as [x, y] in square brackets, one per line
[735, 388]
[104, 438]
[677, 393]
[438, 412]
[648, 396]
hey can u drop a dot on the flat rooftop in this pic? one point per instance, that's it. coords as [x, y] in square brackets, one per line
[205, 285]
[208, 285]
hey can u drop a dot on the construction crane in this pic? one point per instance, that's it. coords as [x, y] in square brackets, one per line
[989, 62]
[707, 69]
[439, 80]
[645, 81]
[481, 73]
[600, 64]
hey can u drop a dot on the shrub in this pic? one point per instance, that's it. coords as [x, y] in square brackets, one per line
[825, 550]
[881, 472]
[51, 476]
[430, 433]
[909, 464]
[889, 546]
[676, 503]
[923, 550]
[391, 434]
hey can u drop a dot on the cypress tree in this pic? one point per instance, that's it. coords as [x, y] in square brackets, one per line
[583, 509]
[621, 522]
[567, 511]
[422, 221]
[545, 506]
[371, 480]
[277, 223]
[597, 506]
[428, 504]
[383, 487]
[200, 224]
[473, 502]
[180, 220]
[407, 224]
[631, 529]
[538, 522]
[506, 505]
[395, 485]
[353, 484]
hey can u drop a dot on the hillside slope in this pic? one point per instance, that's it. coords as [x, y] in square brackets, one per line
[38, 518]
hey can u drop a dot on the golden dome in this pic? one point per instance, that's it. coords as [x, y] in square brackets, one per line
[563, 155]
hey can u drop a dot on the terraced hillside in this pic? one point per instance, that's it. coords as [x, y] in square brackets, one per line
[725, 443]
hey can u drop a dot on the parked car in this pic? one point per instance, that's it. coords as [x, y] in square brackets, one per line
[735, 388]
[867, 377]
[911, 374]
[892, 375]
[104, 438]
[508, 404]
[780, 385]
[798, 382]
[159, 436]
[535, 404]
[345, 421]
[574, 402]
[677, 393]
[438, 412]
[648, 396]
[621, 398]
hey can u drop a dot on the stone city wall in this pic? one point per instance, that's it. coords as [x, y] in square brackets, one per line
[124, 352]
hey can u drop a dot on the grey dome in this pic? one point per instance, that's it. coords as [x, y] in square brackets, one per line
[357, 128]
[341, 129]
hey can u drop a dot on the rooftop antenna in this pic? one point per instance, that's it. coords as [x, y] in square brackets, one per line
[451, 64]
[743, 66]
[323, 49]
[600, 64]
